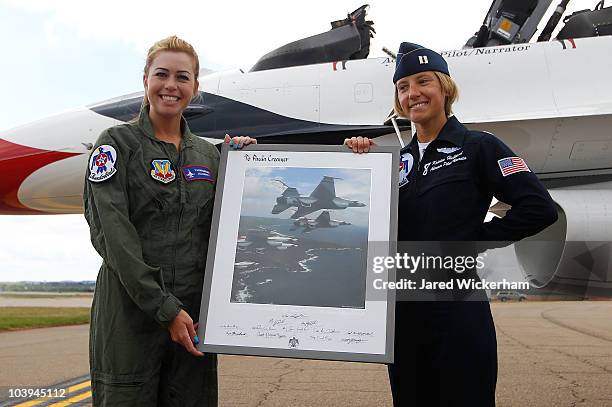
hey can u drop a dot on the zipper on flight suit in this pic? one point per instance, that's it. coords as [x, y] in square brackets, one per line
[179, 185]
[182, 201]
[419, 167]
[179, 180]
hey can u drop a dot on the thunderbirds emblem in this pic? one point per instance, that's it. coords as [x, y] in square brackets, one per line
[102, 163]
[294, 342]
[406, 162]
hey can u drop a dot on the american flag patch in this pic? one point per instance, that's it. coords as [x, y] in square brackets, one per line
[510, 165]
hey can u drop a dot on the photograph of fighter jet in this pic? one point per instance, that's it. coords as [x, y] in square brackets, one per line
[308, 250]
[323, 197]
[322, 221]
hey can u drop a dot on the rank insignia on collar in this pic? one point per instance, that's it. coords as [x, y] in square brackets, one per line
[162, 171]
[197, 172]
[102, 163]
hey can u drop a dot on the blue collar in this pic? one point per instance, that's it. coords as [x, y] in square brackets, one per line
[452, 131]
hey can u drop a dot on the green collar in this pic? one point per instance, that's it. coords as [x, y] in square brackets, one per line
[144, 122]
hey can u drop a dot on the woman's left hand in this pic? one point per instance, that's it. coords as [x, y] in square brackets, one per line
[183, 331]
[238, 142]
[359, 144]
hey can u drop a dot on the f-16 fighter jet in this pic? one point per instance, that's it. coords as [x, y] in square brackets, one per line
[323, 197]
[322, 221]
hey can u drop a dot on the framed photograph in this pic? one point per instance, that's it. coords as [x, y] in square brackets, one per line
[295, 232]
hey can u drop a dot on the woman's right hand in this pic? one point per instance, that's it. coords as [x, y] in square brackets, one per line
[359, 144]
[183, 332]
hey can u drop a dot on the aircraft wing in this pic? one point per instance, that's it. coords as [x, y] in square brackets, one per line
[326, 190]
[323, 218]
[278, 208]
[290, 191]
[303, 211]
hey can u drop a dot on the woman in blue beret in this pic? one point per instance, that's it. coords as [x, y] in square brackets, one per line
[445, 347]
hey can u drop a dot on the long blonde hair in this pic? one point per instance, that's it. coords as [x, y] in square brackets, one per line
[172, 43]
[449, 89]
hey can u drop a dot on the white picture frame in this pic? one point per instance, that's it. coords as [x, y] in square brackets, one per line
[294, 233]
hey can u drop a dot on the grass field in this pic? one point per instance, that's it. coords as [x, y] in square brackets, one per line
[37, 317]
[45, 295]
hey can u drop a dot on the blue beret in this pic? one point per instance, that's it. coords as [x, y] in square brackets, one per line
[414, 58]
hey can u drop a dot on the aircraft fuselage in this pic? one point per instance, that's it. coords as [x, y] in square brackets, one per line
[533, 96]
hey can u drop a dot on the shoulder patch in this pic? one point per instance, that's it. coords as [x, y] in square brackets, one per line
[197, 172]
[102, 163]
[162, 171]
[406, 163]
[510, 165]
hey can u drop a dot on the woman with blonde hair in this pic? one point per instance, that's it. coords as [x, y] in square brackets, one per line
[148, 200]
[446, 351]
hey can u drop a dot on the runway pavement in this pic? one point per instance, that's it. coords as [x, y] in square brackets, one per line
[550, 354]
[16, 300]
[43, 358]
[554, 354]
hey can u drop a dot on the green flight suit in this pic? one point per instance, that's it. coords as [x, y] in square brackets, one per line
[153, 238]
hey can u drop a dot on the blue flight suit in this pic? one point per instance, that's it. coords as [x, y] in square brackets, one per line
[446, 351]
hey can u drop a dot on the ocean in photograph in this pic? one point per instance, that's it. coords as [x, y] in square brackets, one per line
[277, 265]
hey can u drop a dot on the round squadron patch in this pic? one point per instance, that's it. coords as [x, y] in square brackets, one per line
[102, 163]
[406, 162]
[162, 171]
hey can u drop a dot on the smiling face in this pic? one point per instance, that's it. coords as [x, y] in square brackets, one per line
[421, 98]
[170, 83]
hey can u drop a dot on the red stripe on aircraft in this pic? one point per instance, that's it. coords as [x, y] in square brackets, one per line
[572, 41]
[17, 162]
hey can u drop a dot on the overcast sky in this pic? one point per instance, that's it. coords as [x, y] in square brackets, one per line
[61, 54]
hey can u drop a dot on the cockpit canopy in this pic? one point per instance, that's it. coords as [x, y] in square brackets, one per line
[348, 39]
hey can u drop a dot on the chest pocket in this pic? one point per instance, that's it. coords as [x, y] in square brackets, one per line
[446, 183]
[197, 219]
[445, 174]
[151, 210]
[200, 199]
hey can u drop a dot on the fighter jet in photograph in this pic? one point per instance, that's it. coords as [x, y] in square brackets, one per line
[321, 221]
[323, 197]
[261, 239]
